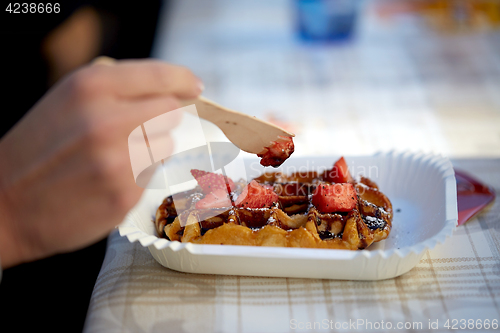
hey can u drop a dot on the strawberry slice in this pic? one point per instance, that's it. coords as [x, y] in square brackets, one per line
[215, 199]
[255, 195]
[277, 152]
[210, 181]
[335, 197]
[339, 173]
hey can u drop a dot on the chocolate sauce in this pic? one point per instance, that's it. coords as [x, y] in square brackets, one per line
[212, 218]
[326, 235]
[294, 205]
[374, 222]
[254, 217]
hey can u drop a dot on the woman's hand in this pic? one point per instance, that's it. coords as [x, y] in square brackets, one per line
[65, 173]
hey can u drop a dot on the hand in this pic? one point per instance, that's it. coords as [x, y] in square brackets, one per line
[65, 173]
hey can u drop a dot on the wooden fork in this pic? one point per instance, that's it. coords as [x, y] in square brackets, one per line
[246, 132]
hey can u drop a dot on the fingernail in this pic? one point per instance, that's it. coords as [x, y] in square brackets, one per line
[103, 60]
[201, 86]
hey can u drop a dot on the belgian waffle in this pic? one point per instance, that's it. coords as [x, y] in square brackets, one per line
[292, 221]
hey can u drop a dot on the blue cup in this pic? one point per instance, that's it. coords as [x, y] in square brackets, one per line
[326, 20]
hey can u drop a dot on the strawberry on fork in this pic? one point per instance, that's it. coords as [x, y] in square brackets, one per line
[279, 150]
[248, 133]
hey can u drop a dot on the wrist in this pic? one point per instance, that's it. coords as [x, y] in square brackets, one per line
[10, 254]
[8, 239]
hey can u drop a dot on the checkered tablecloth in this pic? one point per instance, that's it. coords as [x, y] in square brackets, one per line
[457, 282]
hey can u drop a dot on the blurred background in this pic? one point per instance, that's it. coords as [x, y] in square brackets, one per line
[349, 77]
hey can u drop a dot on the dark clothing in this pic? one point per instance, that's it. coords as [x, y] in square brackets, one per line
[53, 294]
[128, 32]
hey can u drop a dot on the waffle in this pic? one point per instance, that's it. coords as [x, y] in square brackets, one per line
[292, 220]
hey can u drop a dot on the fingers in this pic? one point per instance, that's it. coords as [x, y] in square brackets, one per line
[144, 78]
[103, 60]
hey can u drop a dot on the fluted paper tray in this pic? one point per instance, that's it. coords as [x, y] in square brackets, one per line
[421, 187]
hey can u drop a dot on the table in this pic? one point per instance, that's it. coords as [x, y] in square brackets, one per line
[396, 86]
[459, 279]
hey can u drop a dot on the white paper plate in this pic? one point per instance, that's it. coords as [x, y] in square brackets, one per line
[421, 187]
